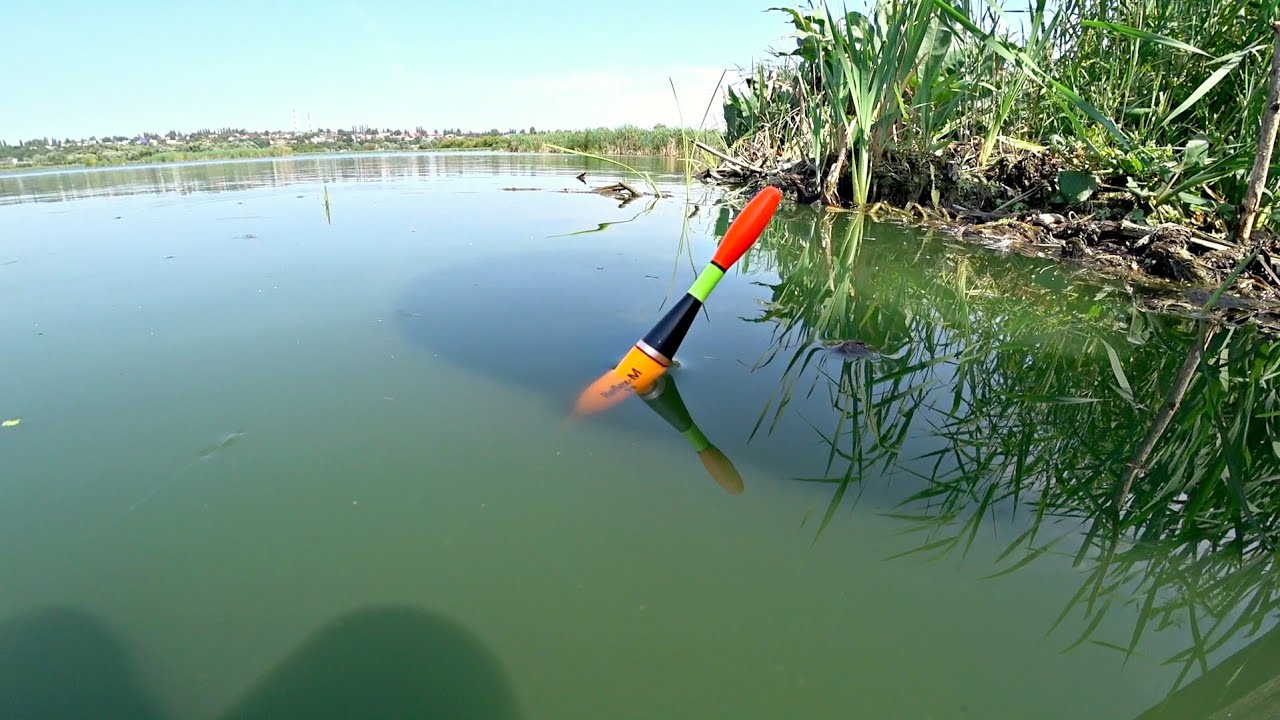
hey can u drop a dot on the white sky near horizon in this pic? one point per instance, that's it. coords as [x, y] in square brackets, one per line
[146, 66]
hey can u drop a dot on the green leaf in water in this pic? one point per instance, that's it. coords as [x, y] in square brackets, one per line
[1117, 369]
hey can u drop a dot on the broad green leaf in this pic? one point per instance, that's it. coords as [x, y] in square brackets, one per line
[1022, 144]
[1118, 370]
[1229, 63]
[1028, 66]
[1134, 32]
[1076, 186]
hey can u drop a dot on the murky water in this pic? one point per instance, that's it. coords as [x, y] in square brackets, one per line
[273, 460]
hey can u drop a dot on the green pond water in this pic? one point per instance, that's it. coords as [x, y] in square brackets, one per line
[273, 460]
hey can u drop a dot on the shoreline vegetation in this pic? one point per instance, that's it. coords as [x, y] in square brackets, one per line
[231, 144]
[1132, 137]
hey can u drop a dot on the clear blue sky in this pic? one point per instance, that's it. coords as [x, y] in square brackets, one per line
[77, 68]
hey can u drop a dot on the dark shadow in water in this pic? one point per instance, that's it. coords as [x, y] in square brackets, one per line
[61, 663]
[385, 662]
[379, 662]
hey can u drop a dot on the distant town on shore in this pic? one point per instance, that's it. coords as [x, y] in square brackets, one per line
[232, 143]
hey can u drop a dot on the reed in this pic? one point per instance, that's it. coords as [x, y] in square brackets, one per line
[1159, 100]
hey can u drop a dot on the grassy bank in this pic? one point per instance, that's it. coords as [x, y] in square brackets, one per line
[1156, 101]
[625, 140]
[108, 156]
[1143, 111]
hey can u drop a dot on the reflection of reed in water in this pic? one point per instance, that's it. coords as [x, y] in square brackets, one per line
[1033, 399]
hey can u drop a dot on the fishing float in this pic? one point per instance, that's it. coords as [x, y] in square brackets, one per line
[652, 355]
[664, 399]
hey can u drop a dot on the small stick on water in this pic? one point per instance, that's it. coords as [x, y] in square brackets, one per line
[731, 160]
[617, 186]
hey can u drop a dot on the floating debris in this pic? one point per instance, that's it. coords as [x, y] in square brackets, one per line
[209, 451]
[223, 442]
[852, 349]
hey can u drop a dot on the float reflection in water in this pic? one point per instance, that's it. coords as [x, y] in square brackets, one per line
[650, 357]
[664, 399]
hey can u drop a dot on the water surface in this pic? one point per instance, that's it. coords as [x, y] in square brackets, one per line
[270, 458]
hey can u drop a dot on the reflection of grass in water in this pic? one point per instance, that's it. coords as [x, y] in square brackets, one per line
[601, 227]
[1036, 398]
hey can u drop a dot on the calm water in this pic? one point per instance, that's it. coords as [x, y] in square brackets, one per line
[269, 461]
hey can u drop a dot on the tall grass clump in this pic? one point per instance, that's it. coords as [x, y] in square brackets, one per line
[1153, 105]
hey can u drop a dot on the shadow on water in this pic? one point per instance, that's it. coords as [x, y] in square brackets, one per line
[989, 394]
[61, 663]
[377, 662]
[385, 662]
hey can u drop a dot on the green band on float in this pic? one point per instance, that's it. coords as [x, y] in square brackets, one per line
[706, 282]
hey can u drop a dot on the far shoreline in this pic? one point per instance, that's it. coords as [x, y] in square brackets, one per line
[6, 172]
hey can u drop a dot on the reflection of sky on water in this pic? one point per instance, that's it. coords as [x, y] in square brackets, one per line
[377, 168]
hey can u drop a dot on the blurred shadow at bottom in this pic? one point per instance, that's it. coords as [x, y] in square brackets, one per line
[61, 663]
[379, 662]
[385, 662]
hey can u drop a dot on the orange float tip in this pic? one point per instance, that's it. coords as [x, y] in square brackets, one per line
[747, 227]
[636, 370]
[721, 470]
